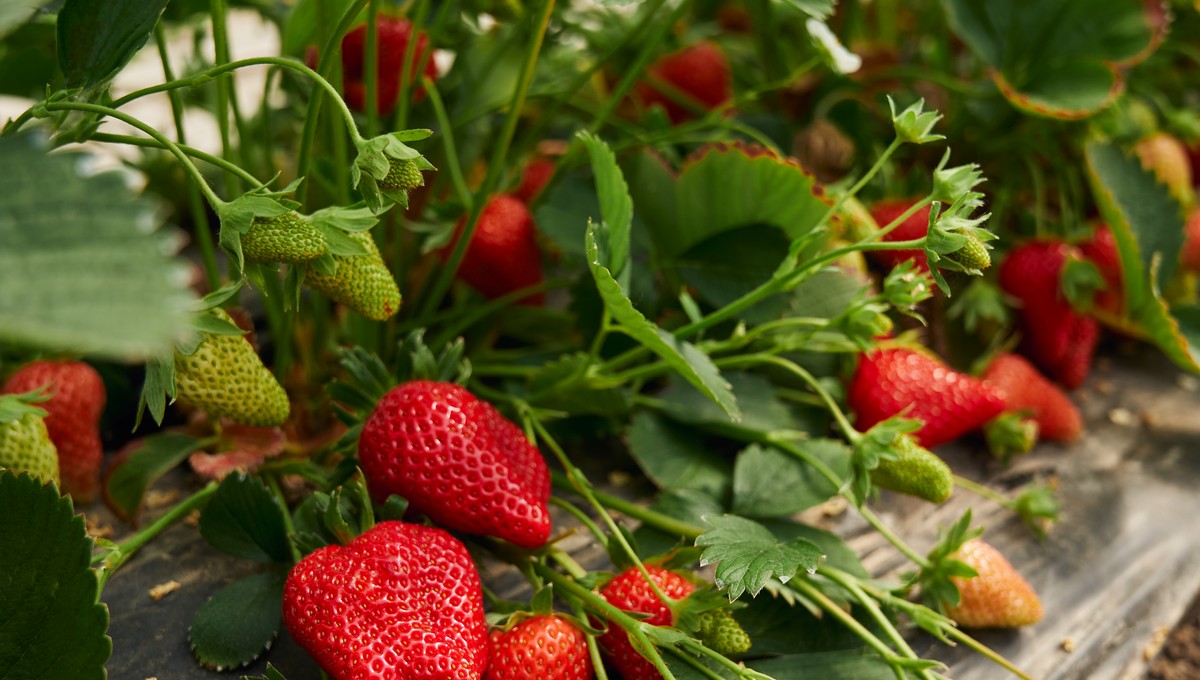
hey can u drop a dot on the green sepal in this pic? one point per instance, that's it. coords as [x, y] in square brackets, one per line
[14, 407]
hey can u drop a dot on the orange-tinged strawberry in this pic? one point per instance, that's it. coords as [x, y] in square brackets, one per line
[1190, 256]
[1024, 388]
[998, 597]
[1166, 157]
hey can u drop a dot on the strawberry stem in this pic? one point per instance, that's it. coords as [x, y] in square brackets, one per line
[802, 586]
[111, 561]
[583, 519]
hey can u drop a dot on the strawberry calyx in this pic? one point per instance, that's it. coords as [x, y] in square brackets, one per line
[1011, 433]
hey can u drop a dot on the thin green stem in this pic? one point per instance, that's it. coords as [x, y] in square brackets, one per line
[371, 67]
[407, 71]
[452, 163]
[221, 56]
[158, 136]
[892, 538]
[288, 526]
[496, 163]
[981, 490]
[802, 586]
[564, 560]
[189, 150]
[120, 554]
[201, 226]
[582, 518]
[851, 434]
[862, 182]
[326, 60]
[630, 509]
[891, 226]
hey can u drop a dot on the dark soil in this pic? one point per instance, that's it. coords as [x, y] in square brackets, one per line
[1180, 655]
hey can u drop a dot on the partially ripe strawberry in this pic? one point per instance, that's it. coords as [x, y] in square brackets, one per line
[1025, 389]
[1101, 250]
[1190, 256]
[361, 282]
[914, 227]
[25, 446]
[542, 647]
[699, 72]
[1166, 157]
[77, 399]
[402, 601]
[998, 597]
[630, 592]
[225, 377]
[503, 255]
[1058, 338]
[393, 36]
[456, 459]
[896, 380]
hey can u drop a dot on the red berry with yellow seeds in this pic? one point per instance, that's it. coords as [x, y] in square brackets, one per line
[631, 592]
[503, 255]
[897, 380]
[401, 602]
[73, 411]
[543, 647]
[457, 460]
[698, 73]
[1026, 389]
[393, 38]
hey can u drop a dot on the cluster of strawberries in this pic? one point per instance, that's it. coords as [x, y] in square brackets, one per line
[404, 597]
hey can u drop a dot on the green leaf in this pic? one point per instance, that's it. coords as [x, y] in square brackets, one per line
[762, 411]
[747, 555]
[727, 187]
[17, 406]
[818, 9]
[577, 397]
[13, 15]
[694, 365]
[685, 505]
[1147, 224]
[271, 673]
[777, 627]
[837, 553]
[677, 458]
[859, 664]
[52, 625]
[768, 482]
[237, 624]
[1056, 58]
[616, 207]
[127, 481]
[243, 519]
[96, 38]
[82, 268]
[730, 264]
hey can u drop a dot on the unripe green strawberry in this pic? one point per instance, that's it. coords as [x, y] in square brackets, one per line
[25, 446]
[361, 282]
[720, 632]
[917, 472]
[973, 254]
[225, 377]
[403, 175]
[286, 238]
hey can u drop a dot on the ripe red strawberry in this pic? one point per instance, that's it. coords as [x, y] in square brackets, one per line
[1101, 250]
[699, 71]
[76, 403]
[998, 597]
[1058, 338]
[393, 36]
[539, 648]
[402, 601]
[456, 459]
[534, 178]
[916, 226]
[1167, 158]
[503, 255]
[1190, 256]
[1024, 388]
[894, 380]
[632, 593]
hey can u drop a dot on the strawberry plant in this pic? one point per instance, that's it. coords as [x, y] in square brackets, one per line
[439, 276]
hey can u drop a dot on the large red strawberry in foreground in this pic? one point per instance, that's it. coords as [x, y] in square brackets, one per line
[400, 602]
[503, 255]
[998, 597]
[77, 399]
[699, 73]
[544, 647]
[393, 35]
[456, 459]
[631, 592]
[1058, 338]
[897, 380]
